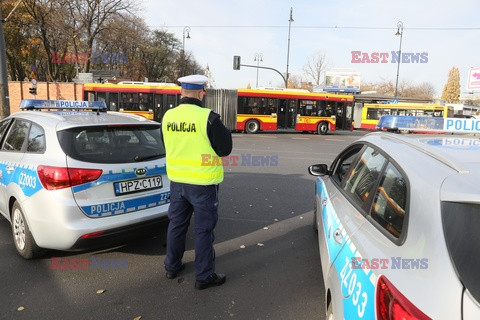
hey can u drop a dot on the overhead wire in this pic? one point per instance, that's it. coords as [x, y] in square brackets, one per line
[324, 27]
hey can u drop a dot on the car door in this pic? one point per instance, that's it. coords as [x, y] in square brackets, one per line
[330, 204]
[11, 167]
[352, 288]
[4, 125]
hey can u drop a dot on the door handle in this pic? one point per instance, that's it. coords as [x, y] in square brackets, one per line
[337, 235]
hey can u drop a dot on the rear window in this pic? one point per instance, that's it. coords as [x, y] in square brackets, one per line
[113, 144]
[461, 224]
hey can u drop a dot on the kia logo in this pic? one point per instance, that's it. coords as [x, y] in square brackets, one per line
[140, 172]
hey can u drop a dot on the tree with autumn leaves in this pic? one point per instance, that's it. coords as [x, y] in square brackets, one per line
[451, 90]
[59, 38]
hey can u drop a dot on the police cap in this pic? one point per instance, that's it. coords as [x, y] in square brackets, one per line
[193, 82]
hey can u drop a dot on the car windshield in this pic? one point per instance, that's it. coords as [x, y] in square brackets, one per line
[113, 144]
[461, 222]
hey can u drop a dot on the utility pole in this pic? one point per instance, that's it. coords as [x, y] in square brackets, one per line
[4, 98]
[288, 49]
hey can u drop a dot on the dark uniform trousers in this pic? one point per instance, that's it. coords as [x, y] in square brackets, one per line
[186, 199]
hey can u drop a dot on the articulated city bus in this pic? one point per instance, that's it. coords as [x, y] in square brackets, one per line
[149, 99]
[271, 109]
[268, 109]
[371, 113]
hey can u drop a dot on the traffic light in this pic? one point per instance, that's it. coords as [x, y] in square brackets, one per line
[236, 62]
[32, 90]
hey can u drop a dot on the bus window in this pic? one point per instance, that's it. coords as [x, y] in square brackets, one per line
[330, 108]
[101, 96]
[373, 113]
[129, 101]
[112, 101]
[307, 108]
[349, 111]
[145, 101]
[242, 105]
[171, 101]
[292, 113]
[255, 106]
[324, 109]
[272, 106]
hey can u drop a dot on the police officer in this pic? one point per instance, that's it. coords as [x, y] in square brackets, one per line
[192, 134]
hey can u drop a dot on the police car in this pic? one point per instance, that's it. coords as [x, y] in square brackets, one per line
[73, 175]
[398, 220]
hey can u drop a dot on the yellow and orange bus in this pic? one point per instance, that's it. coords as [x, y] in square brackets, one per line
[147, 99]
[272, 109]
[367, 116]
[250, 110]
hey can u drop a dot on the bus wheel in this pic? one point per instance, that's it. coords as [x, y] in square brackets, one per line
[252, 126]
[322, 128]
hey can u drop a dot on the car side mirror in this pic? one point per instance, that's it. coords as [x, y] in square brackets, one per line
[318, 169]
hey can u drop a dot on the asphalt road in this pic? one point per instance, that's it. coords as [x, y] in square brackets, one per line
[264, 243]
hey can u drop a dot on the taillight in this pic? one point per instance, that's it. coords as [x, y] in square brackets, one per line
[392, 305]
[53, 178]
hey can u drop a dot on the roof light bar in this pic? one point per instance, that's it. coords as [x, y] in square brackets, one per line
[428, 124]
[31, 104]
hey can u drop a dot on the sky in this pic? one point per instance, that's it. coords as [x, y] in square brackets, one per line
[448, 31]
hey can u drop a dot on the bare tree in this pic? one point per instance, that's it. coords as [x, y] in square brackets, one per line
[51, 35]
[424, 90]
[50, 29]
[315, 67]
[92, 17]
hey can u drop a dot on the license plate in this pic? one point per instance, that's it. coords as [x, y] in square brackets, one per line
[138, 185]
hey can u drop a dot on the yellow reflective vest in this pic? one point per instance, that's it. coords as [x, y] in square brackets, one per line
[186, 141]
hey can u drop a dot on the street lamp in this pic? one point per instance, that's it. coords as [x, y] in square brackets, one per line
[259, 58]
[187, 31]
[399, 33]
[288, 49]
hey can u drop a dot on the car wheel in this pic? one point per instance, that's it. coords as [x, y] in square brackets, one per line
[322, 128]
[252, 126]
[330, 312]
[22, 238]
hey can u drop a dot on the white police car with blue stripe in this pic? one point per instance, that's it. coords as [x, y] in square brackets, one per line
[77, 176]
[397, 219]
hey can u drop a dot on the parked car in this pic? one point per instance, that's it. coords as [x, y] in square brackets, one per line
[397, 219]
[74, 176]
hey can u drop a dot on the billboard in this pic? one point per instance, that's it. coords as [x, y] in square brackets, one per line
[473, 81]
[342, 81]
